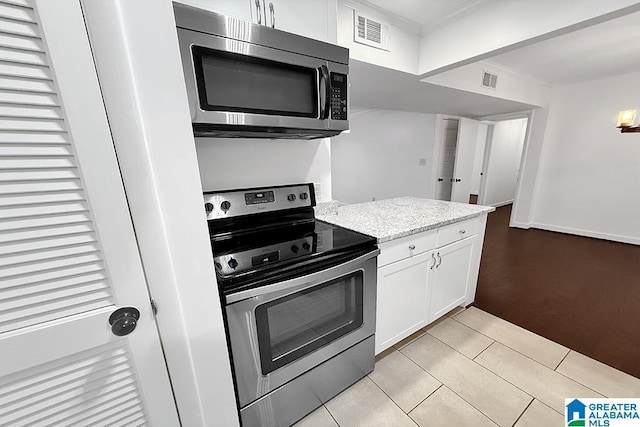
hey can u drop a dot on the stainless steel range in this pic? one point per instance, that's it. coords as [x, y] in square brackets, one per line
[299, 299]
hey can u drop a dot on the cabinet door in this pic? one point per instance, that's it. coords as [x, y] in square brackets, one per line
[452, 276]
[237, 8]
[68, 250]
[403, 299]
[309, 18]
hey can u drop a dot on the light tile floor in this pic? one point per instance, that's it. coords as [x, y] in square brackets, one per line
[472, 368]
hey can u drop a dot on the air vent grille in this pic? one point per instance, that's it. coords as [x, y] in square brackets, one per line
[370, 32]
[489, 80]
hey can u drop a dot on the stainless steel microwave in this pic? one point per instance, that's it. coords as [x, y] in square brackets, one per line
[251, 81]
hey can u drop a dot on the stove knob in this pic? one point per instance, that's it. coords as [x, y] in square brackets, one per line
[232, 263]
[303, 196]
[208, 207]
[294, 249]
[305, 246]
[291, 197]
[225, 205]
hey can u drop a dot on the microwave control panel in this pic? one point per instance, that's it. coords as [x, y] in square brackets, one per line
[338, 96]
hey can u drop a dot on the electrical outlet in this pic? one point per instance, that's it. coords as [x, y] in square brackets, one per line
[422, 162]
[317, 188]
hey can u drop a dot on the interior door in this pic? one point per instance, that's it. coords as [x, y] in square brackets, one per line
[67, 247]
[465, 153]
[447, 159]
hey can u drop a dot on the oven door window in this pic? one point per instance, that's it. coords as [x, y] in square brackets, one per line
[240, 83]
[295, 325]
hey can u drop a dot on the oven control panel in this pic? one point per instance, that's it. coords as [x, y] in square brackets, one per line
[228, 204]
[239, 262]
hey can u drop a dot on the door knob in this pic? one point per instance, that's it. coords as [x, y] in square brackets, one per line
[440, 179]
[458, 180]
[123, 321]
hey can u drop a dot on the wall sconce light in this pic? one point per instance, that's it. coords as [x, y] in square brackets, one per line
[626, 118]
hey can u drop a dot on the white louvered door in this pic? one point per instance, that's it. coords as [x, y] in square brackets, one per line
[68, 254]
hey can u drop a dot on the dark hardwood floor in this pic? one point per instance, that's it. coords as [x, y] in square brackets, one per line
[580, 292]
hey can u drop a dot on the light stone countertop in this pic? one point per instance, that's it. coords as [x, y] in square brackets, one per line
[394, 218]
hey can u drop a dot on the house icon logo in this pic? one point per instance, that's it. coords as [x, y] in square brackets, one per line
[576, 413]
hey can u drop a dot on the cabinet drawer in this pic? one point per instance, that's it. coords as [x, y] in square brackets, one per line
[458, 231]
[406, 247]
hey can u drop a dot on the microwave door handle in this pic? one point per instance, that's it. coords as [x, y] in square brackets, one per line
[324, 103]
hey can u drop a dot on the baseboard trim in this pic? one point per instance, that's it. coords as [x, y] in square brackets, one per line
[500, 204]
[524, 225]
[585, 233]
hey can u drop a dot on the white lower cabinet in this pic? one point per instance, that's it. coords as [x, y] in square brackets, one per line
[403, 299]
[452, 277]
[423, 276]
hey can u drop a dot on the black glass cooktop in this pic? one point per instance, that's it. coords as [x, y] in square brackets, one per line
[247, 259]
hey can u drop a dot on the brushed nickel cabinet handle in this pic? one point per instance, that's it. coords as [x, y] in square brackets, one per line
[259, 12]
[435, 261]
[412, 247]
[273, 15]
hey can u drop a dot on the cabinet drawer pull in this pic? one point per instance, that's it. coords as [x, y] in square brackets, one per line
[435, 261]
[412, 247]
[463, 231]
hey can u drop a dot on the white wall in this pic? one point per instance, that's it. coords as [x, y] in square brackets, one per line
[239, 163]
[497, 25]
[404, 42]
[511, 85]
[588, 180]
[481, 143]
[503, 162]
[381, 155]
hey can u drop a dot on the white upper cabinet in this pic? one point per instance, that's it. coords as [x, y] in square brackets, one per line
[237, 8]
[315, 19]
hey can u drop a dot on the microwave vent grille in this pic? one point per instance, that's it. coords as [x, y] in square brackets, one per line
[370, 32]
[489, 80]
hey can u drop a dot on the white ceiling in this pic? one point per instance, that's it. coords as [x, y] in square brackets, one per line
[426, 13]
[607, 49]
[374, 87]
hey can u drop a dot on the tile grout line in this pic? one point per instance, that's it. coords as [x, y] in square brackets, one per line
[389, 397]
[578, 381]
[511, 324]
[560, 363]
[485, 349]
[430, 394]
[519, 352]
[331, 415]
[524, 391]
[470, 404]
[525, 410]
[487, 369]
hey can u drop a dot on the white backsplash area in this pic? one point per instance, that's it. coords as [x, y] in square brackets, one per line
[229, 163]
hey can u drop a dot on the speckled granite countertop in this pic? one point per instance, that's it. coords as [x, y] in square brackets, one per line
[393, 218]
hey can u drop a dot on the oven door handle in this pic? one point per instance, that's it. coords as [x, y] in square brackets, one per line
[299, 282]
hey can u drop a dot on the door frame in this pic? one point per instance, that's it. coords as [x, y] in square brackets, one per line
[135, 50]
[437, 148]
[527, 114]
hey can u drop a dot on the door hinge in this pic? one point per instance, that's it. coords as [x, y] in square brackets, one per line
[154, 307]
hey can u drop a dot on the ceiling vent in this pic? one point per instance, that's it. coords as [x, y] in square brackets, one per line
[370, 31]
[489, 80]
